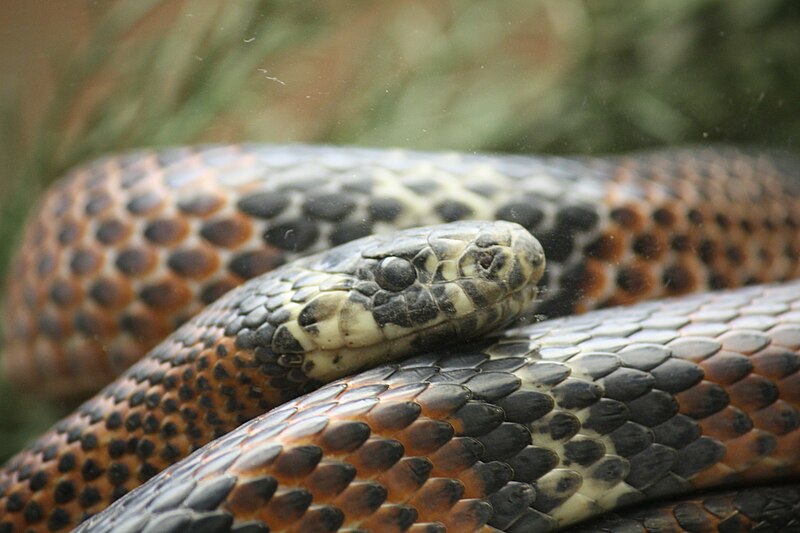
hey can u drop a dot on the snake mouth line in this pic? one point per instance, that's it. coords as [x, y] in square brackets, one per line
[525, 297]
[334, 364]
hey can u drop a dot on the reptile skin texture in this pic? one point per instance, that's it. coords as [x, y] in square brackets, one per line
[538, 429]
[125, 249]
[267, 341]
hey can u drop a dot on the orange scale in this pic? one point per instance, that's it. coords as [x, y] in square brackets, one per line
[20, 327]
[85, 354]
[794, 271]
[616, 300]
[317, 519]
[195, 263]
[384, 419]
[609, 246]
[454, 457]
[593, 282]
[359, 500]
[55, 325]
[680, 278]
[168, 294]
[792, 250]
[167, 231]
[787, 450]
[112, 292]
[436, 497]
[48, 359]
[390, 519]
[635, 281]
[228, 232]
[473, 483]
[726, 367]
[32, 292]
[202, 203]
[243, 501]
[723, 277]
[789, 388]
[136, 261]
[425, 436]
[774, 361]
[341, 437]
[405, 478]
[219, 286]
[778, 418]
[440, 400]
[112, 231]
[752, 393]
[651, 245]
[70, 230]
[748, 450]
[630, 217]
[96, 324]
[221, 367]
[667, 215]
[766, 254]
[279, 513]
[148, 328]
[729, 423]
[468, 515]
[328, 480]
[66, 293]
[702, 400]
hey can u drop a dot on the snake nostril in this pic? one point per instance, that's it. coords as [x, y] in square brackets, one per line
[485, 260]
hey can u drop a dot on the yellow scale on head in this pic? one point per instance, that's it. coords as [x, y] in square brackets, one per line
[339, 332]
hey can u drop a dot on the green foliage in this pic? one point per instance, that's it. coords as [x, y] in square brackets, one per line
[532, 76]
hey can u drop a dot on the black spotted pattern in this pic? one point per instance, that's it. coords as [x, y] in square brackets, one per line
[481, 414]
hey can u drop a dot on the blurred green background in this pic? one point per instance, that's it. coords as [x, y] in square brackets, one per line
[557, 76]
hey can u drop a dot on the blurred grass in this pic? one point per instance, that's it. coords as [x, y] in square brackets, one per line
[533, 76]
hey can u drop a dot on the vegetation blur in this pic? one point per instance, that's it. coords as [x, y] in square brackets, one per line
[547, 76]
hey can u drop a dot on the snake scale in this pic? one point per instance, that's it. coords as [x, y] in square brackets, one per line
[535, 429]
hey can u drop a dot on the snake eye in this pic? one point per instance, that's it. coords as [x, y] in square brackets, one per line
[395, 274]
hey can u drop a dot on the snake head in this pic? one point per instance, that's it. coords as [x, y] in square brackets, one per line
[384, 297]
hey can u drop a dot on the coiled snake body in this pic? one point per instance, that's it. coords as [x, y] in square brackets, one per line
[537, 429]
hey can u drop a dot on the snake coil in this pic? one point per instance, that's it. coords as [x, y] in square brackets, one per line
[533, 430]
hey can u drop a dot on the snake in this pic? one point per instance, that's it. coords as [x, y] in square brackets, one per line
[536, 429]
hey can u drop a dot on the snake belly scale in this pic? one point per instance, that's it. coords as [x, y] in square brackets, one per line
[181, 226]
